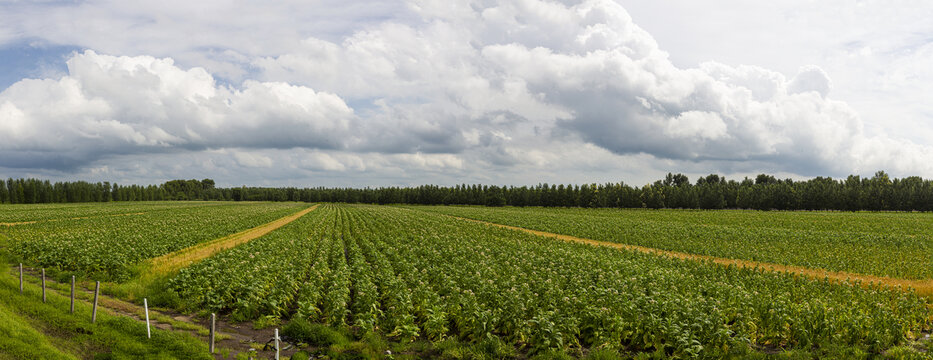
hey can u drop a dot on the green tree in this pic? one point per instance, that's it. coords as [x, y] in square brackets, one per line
[652, 196]
[20, 193]
[495, 196]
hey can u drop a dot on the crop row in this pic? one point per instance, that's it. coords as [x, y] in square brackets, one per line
[851, 242]
[107, 247]
[44, 212]
[249, 278]
[410, 274]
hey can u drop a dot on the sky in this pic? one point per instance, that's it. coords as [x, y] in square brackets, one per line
[379, 93]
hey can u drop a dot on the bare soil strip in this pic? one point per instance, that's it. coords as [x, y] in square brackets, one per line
[922, 287]
[74, 218]
[173, 261]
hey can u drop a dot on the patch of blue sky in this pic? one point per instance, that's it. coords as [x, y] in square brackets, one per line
[26, 60]
[362, 105]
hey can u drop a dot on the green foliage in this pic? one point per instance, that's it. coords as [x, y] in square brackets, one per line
[410, 275]
[59, 212]
[391, 274]
[317, 335]
[603, 354]
[266, 321]
[867, 243]
[34, 191]
[492, 347]
[190, 190]
[92, 241]
[764, 192]
[266, 277]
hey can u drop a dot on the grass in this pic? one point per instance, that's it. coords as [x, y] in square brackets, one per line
[62, 284]
[55, 333]
[22, 341]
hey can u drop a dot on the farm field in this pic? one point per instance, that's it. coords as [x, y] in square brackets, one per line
[897, 245]
[409, 274]
[107, 247]
[11, 214]
[443, 287]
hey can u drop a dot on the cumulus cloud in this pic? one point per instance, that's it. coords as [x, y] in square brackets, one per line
[220, 36]
[810, 78]
[582, 72]
[624, 94]
[110, 105]
[701, 124]
[498, 87]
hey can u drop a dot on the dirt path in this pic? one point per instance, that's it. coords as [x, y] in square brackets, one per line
[74, 218]
[184, 257]
[922, 287]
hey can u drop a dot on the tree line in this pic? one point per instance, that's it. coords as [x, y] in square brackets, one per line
[765, 192]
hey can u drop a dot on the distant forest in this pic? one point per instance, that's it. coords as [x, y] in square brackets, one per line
[764, 192]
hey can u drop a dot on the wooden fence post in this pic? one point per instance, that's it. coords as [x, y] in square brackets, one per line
[72, 294]
[43, 285]
[276, 343]
[94, 309]
[146, 306]
[213, 330]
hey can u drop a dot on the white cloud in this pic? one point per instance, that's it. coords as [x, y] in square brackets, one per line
[250, 160]
[860, 45]
[434, 162]
[109, 105]
[324, 162]
[499, 89]
[810, 78]
[14, 124]
[705, 125]
[217, 35]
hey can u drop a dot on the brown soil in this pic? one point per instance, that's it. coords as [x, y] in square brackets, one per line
[184, 257]
[74, 218]
[922, 287]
